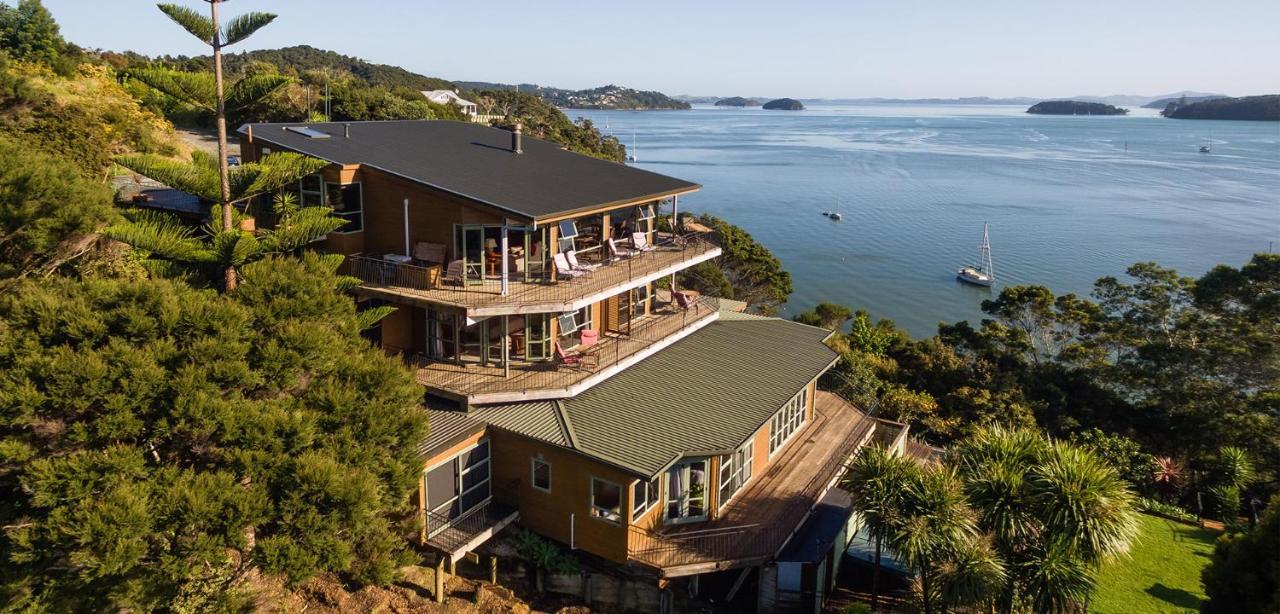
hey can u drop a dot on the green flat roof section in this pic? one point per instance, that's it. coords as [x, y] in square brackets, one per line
[707, 393]
[476, 162]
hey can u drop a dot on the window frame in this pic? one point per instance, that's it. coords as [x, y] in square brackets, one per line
[746, 471]
[460, 473]
[602, 513]
[359, 213]
[651, 493]
[534, 461]
[786, 422]
[303, 192]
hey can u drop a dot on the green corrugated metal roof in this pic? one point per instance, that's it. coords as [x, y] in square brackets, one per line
[446, 428]
[707, 392]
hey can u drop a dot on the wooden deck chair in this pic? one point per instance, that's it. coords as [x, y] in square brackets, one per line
[640, 241]
[684, 302]
[580, 360]
[453, 274]
[562, 267]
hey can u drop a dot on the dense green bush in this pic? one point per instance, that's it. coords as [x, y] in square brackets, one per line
[1244, 574]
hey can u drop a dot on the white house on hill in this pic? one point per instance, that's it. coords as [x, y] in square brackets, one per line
[451, 97]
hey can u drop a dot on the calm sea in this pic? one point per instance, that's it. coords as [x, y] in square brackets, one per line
[1069, 199]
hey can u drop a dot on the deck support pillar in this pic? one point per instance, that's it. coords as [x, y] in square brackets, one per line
[453, 566]
[493, 569]
[506, 256]
[506, 343]
[439, 596]
[457, 339]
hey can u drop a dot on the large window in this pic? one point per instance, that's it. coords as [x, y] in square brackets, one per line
[687, 491]
[541, 474]
[348, 204]
[644, 495]
[311, 191]
[788, 420]
[735, 471]
[639, 300]
[606, 500]
[459, 484]
[568, 232]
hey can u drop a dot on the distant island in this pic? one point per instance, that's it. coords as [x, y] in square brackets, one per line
[737, 101]
[1163, 103]
[1074, 107]
[784, 104]
[1248, 108]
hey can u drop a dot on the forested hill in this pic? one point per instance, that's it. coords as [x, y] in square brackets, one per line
[304, 58]
[605, 97]
[1249, 108]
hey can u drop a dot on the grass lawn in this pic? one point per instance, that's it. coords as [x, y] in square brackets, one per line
[1161, 574]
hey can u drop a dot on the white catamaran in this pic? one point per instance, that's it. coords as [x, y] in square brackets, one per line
[981, 274]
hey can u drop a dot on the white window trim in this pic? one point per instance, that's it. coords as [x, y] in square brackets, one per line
[533, 474]
[789, 420]
[599, 512]
[706, 495]
[748, 468]
[326, 202]
[650, 502]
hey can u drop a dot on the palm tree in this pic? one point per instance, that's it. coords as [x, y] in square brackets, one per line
[194, 88]
[876, 480]
[936, 524]
[971, 576]
[179, 249]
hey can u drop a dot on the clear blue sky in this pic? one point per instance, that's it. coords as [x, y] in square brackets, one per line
[852, 48]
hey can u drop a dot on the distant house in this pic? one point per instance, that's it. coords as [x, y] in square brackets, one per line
[451, 97]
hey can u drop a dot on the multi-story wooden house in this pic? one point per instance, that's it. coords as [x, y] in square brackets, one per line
[573, 388]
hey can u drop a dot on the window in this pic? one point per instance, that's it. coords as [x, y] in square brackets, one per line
[687, 491]
[457, 485]
[788, 420]
[735, 471]
[583, 317]
[347, 204]
[568, 231]
[644, 495]
[644, 212]
[639, 300]
[311, 191]
[606, 500]
[567, 322]
[541, 471]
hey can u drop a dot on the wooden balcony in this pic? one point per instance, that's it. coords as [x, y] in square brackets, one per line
[427, 287]
[759, 521]
[529, 381]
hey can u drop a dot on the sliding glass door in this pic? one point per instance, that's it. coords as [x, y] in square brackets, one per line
[469, 247]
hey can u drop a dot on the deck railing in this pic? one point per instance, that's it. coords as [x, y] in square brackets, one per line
[742, 544]
[450, 533]
[433, 283]
[613, 349]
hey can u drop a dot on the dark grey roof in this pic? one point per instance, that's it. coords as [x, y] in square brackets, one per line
[445, 428]
[705, 394]
[476, 162]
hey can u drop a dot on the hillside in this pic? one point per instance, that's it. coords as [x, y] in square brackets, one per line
[303, 58]
[1248, 108]
[737, 101]
[1074, 107]
[1161, 103]
[607, 97]
[784, 104]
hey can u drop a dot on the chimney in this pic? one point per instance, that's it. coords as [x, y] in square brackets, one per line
[515, 139]
[346, 131]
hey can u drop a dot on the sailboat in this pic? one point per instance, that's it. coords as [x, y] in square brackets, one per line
[631, 157]
[981, 274]
[1208, 145]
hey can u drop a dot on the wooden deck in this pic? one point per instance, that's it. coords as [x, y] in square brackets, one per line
[529, 381]
[413, 285]
[758, 522]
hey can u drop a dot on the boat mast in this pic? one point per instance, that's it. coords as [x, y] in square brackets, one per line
[984, 253]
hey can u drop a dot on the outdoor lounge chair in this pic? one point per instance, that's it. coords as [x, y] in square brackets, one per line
[453, 274]
[620, 252]
[563, 269]
[684, 302]
[572, 257]
[640, 241]
[579, 360]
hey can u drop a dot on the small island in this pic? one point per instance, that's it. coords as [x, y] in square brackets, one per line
[737, 101]
[1075, 107]
[1248, 108]
[784, 104]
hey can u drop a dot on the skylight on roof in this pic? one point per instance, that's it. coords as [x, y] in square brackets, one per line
[310, 133]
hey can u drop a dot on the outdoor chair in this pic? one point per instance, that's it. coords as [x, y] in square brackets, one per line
[563, 269]
[453, 274]
[620, 252]
[684, 302]
[572, 257]
[640, 241]
[578, 360]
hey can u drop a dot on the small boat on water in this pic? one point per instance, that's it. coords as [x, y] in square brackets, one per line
[836, 216]
[983, 273]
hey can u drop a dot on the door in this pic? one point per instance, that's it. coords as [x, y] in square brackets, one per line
[469, 247]
[687, 491]
[535, 255]
[538, 336]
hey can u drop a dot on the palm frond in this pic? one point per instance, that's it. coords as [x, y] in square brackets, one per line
[1084, 501]
[972, 575]
[243, 26]
[1058, 581]
[189, 177]
[369, 317]
[161, 235]
[250, 90]
[198, 25]
[196, 88]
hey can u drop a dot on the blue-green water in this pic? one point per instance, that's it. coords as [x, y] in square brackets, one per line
[1066, 202]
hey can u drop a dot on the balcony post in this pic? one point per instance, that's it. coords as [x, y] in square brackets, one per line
[506, 334]
[407, 247]
[505, 257]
